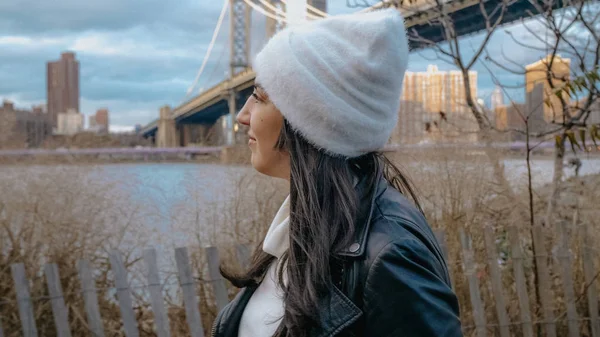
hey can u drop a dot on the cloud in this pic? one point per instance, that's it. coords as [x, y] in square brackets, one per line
[137, 55]
[115, 128]
[72, 16]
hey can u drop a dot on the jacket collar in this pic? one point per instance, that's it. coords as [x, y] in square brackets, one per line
[367, 196]
[336, 312]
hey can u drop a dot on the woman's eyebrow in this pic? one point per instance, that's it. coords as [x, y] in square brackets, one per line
[261, 91]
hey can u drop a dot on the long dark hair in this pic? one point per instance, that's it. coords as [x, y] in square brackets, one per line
[323, 208]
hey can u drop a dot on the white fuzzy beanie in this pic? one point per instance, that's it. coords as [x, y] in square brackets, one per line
[338, 80]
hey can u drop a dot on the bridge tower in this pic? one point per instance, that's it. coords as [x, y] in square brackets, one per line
[239, 36]
[166, 134]
[273, 26]
[239, 39]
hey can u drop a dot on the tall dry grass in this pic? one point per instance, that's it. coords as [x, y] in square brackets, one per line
[62, 215]
[459, 193]
[66, 213]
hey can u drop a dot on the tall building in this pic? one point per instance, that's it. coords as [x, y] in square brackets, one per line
[456, 92]
[411, 124]
[62, 86]
[69, 123]
[510, 116]
[537, 74]
[497, 98]
[22, 128]
[442, 92]
[593, 109]
[439, 91]
[99, 121]
[92, 122]
[535, 104]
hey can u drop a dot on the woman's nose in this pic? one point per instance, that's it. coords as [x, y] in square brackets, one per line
[243, 116]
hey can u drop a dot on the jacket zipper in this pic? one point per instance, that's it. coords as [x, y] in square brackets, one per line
[213, 332]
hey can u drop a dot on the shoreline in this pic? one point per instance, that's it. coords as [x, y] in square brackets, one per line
[234, 156]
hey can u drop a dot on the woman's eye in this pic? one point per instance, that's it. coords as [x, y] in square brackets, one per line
[255, 96]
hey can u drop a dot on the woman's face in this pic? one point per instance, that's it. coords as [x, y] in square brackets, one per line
[265, 123]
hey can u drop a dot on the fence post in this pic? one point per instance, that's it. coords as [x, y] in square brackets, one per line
[521, 285]
[59, 310]
[590, 279]
[564, 257]
[186, 281]
[219, 287]
[470, 272]
[24, 300]
[123, 294]
[490, 247]
[161, 319]
[90, 298]
[243, 255]
[543, 280]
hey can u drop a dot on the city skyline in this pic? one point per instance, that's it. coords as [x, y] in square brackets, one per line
[136, 66]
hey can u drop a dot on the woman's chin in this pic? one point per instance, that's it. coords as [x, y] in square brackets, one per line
[256, 164]
[260, 166]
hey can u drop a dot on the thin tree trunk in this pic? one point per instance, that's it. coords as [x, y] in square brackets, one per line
[559, 155]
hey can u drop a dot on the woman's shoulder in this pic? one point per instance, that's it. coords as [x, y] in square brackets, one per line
[397, 226]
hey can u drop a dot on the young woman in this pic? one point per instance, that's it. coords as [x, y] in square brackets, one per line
[347, 253]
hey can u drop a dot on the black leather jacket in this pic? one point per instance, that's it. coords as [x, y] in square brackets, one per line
[394, 282]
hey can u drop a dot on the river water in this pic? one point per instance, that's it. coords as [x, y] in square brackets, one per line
[175, 199]
[169, 184]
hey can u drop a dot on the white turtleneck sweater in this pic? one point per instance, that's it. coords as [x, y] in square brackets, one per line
[264, 311]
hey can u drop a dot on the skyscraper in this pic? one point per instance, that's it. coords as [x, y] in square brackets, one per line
[62, 86]
[440, 91]
[537, 75]
[497, 98]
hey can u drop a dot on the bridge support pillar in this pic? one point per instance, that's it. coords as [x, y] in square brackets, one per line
[231, 122]
[185, 131]
[166, 135]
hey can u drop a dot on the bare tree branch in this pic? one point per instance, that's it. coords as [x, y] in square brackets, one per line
[502, 66]
[489, 28]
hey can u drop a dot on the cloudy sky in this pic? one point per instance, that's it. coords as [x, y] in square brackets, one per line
[137, 55]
